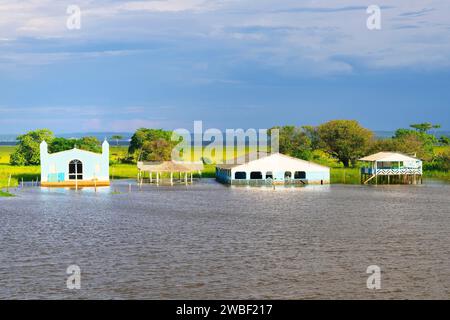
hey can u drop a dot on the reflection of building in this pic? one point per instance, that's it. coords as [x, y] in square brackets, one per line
[272, 169]
[391, 167]
[74, 167]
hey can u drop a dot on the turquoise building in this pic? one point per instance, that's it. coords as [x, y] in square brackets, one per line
[74, 167]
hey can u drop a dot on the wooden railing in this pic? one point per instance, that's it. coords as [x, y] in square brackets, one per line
[391, 171]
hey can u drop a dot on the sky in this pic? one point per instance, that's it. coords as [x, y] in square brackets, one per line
[228, 63]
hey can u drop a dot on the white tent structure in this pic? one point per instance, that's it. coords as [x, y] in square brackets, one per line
[277, 168]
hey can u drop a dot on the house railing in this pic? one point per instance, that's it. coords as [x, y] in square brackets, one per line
[391, 171]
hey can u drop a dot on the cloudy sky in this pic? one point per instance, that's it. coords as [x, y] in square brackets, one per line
[230, 63]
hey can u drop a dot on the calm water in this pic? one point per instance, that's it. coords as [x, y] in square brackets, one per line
[210, 241]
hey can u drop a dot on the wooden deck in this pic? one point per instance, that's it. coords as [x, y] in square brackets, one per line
[73, 184]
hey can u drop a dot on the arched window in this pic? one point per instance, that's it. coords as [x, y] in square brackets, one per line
[75, 170]
[287, 175]
[269, 175]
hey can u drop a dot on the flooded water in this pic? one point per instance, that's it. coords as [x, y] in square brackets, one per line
[210, 241]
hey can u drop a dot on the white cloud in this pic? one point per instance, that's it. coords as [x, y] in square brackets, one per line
[312, 36]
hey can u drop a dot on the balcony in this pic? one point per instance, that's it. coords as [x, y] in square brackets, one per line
[391, 171]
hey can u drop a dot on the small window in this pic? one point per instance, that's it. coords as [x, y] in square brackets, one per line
[287, 175]
[300, 175]
[256, 175]
[269, 175]
[240, 175]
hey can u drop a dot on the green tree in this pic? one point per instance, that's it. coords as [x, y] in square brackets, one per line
[443, 160]
[425, 127]
[346, 140]
[117, 137]
[157, 150]
[89, 144]
[86, 143]
[407, 144]
[294, 141]
[444, 140]
[418, 142]
[27, 152]
[61, 144]
[143, 135]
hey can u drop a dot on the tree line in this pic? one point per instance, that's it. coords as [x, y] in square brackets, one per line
[28, 153]
[343, 140]
[347, 141]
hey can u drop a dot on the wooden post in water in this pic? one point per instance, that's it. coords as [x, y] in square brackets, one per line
[9, 183]
[129, 188]
[171, 178]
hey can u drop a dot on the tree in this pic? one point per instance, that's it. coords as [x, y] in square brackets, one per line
[418, 142]
[27, 152]
[294, 141]
[117, 137]
[157, 150]
[61, 144]
[444, 140]
[346, 140]
[89, 144]
[425, 127]
[444, 160]
[143, 135]
[86, 143]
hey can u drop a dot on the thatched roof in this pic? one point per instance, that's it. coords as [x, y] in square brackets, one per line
[170, 166]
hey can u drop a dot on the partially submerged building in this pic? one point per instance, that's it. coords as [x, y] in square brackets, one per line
[74, 168]
[391, 167]
[152, 171]
[275, 168]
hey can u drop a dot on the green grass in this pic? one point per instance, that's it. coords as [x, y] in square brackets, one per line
[345, 175]
[441, 175]
[5, 194]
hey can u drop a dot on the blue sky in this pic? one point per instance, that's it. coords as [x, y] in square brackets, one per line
[232, 64]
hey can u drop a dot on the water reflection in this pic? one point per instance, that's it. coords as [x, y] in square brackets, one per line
[209, 241]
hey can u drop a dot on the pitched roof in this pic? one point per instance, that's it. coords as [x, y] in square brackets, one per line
[255, 157]
[244, 159]
[388, 156]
